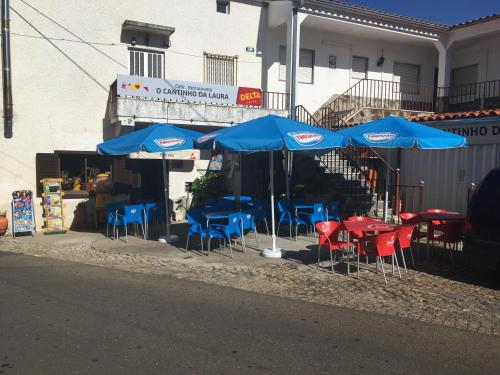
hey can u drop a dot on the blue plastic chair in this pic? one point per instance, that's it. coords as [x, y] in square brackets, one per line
[226, 231]
[332, 211]
[316, 216]
[223, 204]
[286, 214]
[248, 225]
[111, 211]
[197, 226]
[259, 210]
[130, 214]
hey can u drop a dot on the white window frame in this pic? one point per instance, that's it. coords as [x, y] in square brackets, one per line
[359, 75]
[282, 65]
[148, 56]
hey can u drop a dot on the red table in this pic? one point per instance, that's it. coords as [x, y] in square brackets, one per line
[368, 226]
[443, 216]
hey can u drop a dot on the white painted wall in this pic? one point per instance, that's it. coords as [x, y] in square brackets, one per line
[335, 81]
[483, 52]
[61, 106]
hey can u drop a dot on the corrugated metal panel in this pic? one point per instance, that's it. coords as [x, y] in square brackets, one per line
[448, 173]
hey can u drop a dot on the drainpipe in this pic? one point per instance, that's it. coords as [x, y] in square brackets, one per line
[6, 73]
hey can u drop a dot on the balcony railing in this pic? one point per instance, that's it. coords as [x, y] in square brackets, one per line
[470, 97]
[271, 100]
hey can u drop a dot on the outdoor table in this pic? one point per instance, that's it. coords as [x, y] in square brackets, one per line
[145, 209]
[217, 215]
[442, 216]
[368, 226]
[303, 206]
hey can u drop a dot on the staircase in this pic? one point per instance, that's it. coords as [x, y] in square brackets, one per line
[351, 174]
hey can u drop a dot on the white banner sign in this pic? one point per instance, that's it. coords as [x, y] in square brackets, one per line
[170, 155]
[168, 89]
[475, 132]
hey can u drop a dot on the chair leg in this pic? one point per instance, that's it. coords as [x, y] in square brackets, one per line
[358, 265]
[126, 234]
[331, 261]
[411, 255]
[267, 227]
[256, 239]
[187, 242]
[209, 239]
[242, 242]
[277, 230]
[451, 255]
[230, 248]
[290, 229]
[107, 230]
[397, 264]
[403, 257]
[392, 263]
[383, 270]
[201, 242]
[319, 251]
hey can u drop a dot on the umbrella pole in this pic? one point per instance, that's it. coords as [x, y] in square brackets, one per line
[168, 238]
[287, 175]
[273, 252]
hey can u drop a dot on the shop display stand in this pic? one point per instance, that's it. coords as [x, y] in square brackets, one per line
[53, 214]
[23, 212]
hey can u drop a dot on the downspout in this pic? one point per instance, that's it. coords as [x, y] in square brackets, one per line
[6, 72]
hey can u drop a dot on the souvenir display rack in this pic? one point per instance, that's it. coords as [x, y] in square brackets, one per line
[23, 213]
[53, 213]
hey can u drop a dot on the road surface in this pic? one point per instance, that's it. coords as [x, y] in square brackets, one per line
[69, 318]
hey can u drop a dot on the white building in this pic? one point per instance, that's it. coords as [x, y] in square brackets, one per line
[324, 56]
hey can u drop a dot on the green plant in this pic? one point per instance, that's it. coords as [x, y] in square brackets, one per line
[209, 186]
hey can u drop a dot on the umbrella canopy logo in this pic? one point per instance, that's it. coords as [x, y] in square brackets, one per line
[170, 143]
[306, 138]
[380, 137]
[207, 137]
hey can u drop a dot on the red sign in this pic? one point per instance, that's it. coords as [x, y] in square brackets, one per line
[249, 96]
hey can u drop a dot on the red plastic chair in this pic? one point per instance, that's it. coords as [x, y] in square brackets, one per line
[383, 246]
[329, 236]
[451, 233]
[404, 237]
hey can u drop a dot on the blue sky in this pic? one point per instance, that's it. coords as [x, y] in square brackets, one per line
[441, 11]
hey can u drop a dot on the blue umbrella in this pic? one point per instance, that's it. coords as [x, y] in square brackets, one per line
[158, 138]
[272, 133]
[397, 132]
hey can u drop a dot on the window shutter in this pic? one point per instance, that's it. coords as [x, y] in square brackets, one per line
[464, 75]
[47, 166]
[282, 69]
[359, 67]
[306, 66]
[408, 75]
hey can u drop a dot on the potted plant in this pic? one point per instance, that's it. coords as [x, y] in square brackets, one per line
[4, 222]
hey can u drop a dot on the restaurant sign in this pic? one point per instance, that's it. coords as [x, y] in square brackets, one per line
[186, 91]
[475, 132]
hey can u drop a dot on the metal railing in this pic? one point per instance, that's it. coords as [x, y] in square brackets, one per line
[382, 95]
[469, 97]
[271, 100]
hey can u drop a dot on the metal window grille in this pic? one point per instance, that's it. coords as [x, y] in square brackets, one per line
[220, 69]
[146, 63]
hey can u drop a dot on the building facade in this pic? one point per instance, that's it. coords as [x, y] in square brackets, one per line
[68, 57]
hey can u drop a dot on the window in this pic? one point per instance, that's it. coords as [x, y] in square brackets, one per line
[223, 6]
[78, 170]
[220, 69]
[146, 63]
[408, 76]
[359, 67]
[464, 75]
[305, 73]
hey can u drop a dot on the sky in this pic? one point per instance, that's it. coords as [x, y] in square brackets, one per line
[441, 11]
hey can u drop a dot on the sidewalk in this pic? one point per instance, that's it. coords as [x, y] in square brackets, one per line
[434, 292]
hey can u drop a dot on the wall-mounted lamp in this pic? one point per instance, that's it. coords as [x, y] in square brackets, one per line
[133, 41]
[381, 59]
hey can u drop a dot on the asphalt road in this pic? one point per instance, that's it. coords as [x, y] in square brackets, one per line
[68, 318]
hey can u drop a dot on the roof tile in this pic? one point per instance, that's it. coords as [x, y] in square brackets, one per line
[456, 115]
